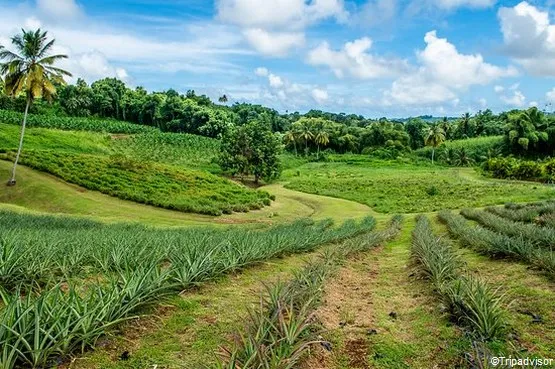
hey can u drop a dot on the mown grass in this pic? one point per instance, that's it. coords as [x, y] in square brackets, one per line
[394, 187]
[148, 183]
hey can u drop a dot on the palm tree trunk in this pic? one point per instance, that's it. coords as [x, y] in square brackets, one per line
[318, 153]
[433, 153]
[296, 152]
[12, 181]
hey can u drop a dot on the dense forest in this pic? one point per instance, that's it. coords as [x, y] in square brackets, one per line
[528, 133]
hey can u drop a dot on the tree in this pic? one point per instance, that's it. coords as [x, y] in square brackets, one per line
[434, 138]
[526, 130]
[290, 137]
[30, 71]
[251, 149]
[223, 99]
[321, 135]
[304, 127]
[415, 128]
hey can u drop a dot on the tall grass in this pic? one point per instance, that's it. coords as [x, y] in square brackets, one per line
[470, 301]
[497, 245]
[282, 328]
[66, 282]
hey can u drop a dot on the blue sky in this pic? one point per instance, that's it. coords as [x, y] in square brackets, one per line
[392, 58]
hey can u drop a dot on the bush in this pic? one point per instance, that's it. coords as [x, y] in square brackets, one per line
[512, 168]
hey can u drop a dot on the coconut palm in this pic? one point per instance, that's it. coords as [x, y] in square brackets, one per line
[223, 99]
[290, 137]
[304, 128]
[30, 71]
[434, 138]
[321, 136]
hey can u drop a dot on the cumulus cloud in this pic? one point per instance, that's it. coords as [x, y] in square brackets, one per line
[273, 43]
[289, 95]
[444, 71]
[319, 95]
[517, 99]
[529, 37]
[354, 60]
[274, 27]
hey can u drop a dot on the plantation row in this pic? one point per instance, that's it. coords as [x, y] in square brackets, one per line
[282, 328]
[496, 244]
[74, 124]
[471, 301]
[541, 214]
[67, 282]
[180, 149]
[543, 236]
[148, 183]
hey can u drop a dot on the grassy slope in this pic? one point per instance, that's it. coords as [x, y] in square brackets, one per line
[165, 164]
[391, 187]
[41, 192]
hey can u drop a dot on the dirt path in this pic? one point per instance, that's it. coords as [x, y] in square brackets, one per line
[377, 316]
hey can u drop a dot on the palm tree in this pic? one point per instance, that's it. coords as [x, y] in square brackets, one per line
[291, 138]
[223, 99]
[321, 136]
[30, 71]
[304, 128]
[434, 138]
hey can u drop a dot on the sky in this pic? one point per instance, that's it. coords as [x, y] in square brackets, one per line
[394, 58]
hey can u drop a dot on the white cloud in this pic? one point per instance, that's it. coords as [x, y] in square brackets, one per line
[550, 96]
[533, 104]
[517, 99]
[274, 27]
[59, 8]
[289, 95]
[446, 65]
[443, 72]
[417, 90]
[89, 66]
[529, 37]
[275, 81]
[201, 48]
[319, 95]
[273, 43]
[355, 60]
[261, 72]
[483, 102]
[499, 89]
[375, 12]
[452, 4]
[272, 14]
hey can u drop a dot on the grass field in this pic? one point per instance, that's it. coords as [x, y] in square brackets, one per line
[392, 187]
[171, 289]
